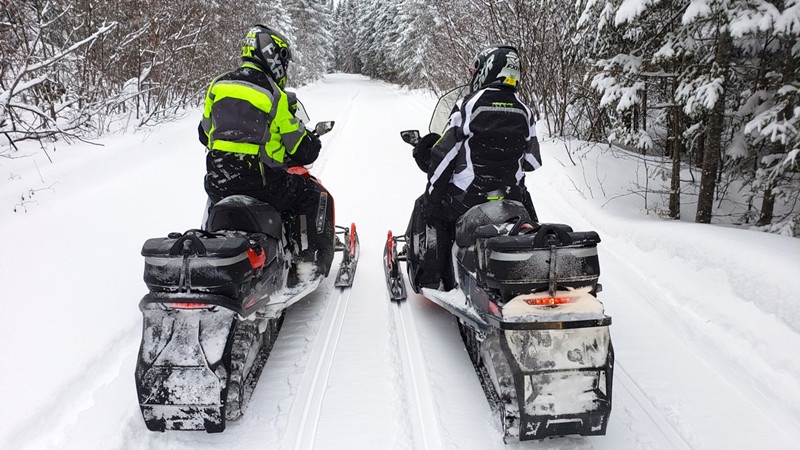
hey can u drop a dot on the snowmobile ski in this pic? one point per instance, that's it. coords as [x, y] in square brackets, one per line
[350, 248]
[395, 284]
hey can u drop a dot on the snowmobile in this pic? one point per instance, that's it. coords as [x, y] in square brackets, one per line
[526, 307]
[216, 301]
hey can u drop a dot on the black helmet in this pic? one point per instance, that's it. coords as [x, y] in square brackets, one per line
[269, 50]
[498, 65]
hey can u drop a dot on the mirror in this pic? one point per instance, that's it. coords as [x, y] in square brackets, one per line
[323, 127]
[410, 136]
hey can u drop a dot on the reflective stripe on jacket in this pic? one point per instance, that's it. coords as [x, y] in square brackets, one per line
[247, 113]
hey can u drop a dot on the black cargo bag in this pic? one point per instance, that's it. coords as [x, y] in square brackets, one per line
[198, 261]
[550, 258]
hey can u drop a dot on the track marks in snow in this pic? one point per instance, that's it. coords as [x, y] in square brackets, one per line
[421, 411]
[629, 396]
[304, 416]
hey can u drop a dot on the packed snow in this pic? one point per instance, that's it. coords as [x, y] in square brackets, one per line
[706, 318]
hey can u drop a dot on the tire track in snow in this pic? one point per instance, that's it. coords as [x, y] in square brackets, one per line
[635, 400]
[421, 411]
[304, 416]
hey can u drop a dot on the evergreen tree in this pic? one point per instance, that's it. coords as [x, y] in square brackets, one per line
[344, 36]
[313, 54]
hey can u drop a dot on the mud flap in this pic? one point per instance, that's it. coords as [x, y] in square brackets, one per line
[182, 372]
[563, 380]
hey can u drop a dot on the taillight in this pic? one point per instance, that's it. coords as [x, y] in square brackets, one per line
[548, 301]
[179, 305]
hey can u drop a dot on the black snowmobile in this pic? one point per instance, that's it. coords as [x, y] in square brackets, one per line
[526, 308]
[216, 303]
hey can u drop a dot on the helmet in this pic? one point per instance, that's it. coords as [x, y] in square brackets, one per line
[269, 50]
[496, 65]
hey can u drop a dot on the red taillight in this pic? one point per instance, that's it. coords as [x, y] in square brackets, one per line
[188, 305]
[257, 260]
[548, 301]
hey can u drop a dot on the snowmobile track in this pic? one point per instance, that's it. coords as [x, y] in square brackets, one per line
[637, 403]
[304, 416]
[422, 413]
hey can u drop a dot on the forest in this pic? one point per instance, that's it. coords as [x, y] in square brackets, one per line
[705, 92]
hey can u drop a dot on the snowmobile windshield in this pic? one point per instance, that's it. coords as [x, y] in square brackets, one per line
[445, 106]
[301, 113]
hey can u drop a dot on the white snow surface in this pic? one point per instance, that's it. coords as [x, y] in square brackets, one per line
[706, 318]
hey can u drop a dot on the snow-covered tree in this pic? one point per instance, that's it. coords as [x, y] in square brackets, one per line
[313, 45]
[701, 77]
[416, 44]
[345, 23]
[40, 54]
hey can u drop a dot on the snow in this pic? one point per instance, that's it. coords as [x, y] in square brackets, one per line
[706, 318]
[629, 10]
[696, 10]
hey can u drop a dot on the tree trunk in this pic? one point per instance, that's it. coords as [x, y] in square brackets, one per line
[644, 109]
[713, 147]
[675, 146]
[776, 148]
[767, 206]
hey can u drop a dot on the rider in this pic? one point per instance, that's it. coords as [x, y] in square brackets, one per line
[253, 137]
[489, 142]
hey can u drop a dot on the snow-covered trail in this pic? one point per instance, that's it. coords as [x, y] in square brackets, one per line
[349, 370]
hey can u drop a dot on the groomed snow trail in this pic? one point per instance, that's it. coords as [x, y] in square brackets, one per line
[301, 430]
[350, 369]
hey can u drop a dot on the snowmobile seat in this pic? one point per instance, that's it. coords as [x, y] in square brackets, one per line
[244, 213]
[490, 213]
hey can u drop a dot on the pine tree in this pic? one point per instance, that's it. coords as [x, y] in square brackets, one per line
[313, 54]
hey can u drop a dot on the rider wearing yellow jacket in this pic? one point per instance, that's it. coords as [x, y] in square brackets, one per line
[253, 137]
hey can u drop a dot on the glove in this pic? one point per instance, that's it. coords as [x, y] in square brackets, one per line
[422, 151]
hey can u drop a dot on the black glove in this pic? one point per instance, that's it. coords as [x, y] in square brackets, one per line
[307, 152]
[422, 151]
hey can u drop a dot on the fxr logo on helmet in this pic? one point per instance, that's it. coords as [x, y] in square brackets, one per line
[274, 60]
[484, 72]
[250, 41]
